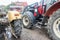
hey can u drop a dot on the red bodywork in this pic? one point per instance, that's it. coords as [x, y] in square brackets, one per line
[40, 9]
[50, 10]
[53, 8]
[35, 14]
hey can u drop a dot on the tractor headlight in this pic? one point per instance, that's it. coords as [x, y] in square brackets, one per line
[35, 10]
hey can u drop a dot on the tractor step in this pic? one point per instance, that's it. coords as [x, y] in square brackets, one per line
[39, 25]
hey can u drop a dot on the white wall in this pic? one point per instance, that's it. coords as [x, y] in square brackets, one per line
[6, 2]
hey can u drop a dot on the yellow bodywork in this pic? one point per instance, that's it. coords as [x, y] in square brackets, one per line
[13, 15]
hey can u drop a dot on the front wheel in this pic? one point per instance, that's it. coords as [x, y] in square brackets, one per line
[54, 25]
[28, 19]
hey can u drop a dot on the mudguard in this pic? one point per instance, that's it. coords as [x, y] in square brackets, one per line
[13, 15]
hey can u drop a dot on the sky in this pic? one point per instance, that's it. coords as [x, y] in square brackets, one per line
[6, 2]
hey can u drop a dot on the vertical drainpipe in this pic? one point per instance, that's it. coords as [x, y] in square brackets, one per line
[42, 2]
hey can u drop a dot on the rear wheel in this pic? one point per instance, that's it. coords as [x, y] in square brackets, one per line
[17, 27]
[54, 25]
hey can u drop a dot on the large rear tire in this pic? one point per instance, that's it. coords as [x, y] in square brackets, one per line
[28, 19]
[17, 27]
[54, 25]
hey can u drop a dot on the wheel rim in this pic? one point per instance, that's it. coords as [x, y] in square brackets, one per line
[56, 27]
[25, 21]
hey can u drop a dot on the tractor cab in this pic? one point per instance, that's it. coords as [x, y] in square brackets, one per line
[35, 13]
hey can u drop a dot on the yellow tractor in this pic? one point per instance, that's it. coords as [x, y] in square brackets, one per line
[14, 15]
[11, 25]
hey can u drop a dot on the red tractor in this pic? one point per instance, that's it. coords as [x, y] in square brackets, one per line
[46, 12]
